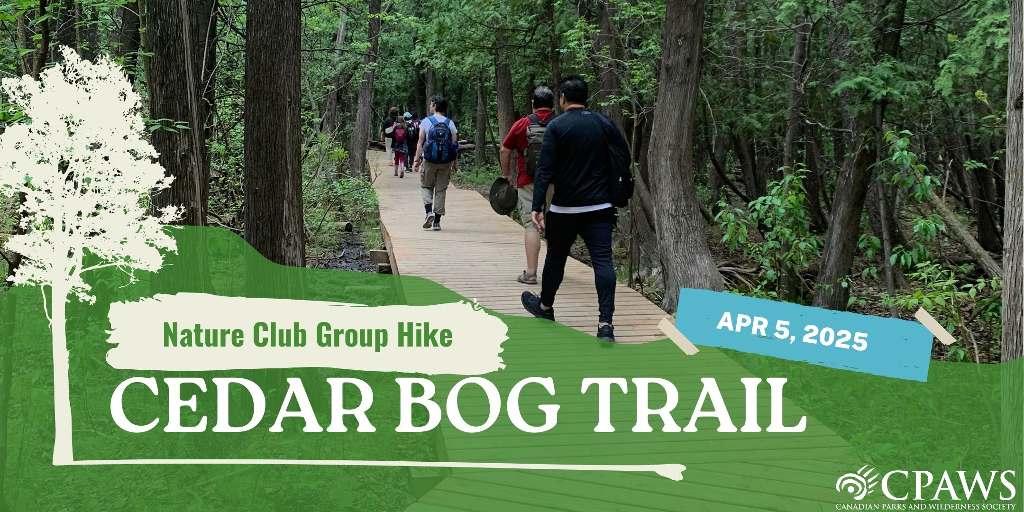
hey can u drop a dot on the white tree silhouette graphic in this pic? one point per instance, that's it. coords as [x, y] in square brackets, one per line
[85, 171]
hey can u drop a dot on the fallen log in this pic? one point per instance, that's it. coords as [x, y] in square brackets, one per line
[958, 231]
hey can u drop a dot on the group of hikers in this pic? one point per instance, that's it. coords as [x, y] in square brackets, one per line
[562, 180]
[400, 130]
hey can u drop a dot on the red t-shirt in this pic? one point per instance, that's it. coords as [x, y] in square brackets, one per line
[516, 140]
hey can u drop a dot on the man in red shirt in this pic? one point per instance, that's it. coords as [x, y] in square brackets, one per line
[524, 138]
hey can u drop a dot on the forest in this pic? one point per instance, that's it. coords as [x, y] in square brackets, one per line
[845, 154]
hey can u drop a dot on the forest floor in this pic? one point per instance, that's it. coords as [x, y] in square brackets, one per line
[349, 254]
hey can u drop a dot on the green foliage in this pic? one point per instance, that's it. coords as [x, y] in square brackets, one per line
[167, 125]
[926, 231]
[782, 219]
[946, 295]
[481, 175]
[979, 54]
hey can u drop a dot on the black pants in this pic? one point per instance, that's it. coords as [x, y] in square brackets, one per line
[595, 228]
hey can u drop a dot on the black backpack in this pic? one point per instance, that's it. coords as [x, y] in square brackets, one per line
[620, 173]
[534, 140]
[412, 135]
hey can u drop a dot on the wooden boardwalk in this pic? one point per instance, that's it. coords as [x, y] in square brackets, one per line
[478, 254]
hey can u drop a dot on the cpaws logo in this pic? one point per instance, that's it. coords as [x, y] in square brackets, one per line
[859, 484]
[928, 486]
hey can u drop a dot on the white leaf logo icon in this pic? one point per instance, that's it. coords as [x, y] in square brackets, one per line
[859, 484]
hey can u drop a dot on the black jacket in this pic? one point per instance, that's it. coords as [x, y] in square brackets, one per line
[574, 158]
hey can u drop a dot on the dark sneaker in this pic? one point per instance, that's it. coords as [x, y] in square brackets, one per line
[606, 333]
[437, 223]
[429, 221]
[531, 301]
[527, 278]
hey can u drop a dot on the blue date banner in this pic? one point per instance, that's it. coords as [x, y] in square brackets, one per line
[881, 346]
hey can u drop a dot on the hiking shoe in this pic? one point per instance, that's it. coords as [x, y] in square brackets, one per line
[531, 301]
[429, 221]
[606, 333]
[527, 278]
[437, 223]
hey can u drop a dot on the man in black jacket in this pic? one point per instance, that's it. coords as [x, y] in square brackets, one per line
[574, 158]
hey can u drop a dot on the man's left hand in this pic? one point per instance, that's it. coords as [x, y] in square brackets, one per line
[538, 220]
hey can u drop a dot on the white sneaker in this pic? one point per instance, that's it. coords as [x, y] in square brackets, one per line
[429, 221]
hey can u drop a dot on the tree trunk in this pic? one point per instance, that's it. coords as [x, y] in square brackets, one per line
[43, 52]
[796, 92]
[66, 17]
[553, 44]
[62, 449]
[503, 87]
[878, 201]
[87, 29]
[527, 97]
[25, 62]
[890, 279]
[177, 38]
[330, 124]
[608, 63]
[480, 130]
[209, 95]
[965, 180]
[429, 85]
[986, 202]
[273, 165]
[685, 256]
[361, 133]
[819, 221]
[881, 213]
[844, 227]
[790, 281]
[1013, 222]
[716, 180]
[753, 187]
[419, 95]
[1013, 246]
[855, 176]
[960, 233]
[129, 38]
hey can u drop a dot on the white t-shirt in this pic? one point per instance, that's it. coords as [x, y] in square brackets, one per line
[579, 209]
[425, 124]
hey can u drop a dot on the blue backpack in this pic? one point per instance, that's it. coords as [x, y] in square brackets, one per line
[438, 147]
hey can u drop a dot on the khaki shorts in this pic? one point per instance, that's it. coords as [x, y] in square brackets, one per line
[526, 204]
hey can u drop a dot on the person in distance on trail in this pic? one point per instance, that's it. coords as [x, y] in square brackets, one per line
[412, 136]
[400, 144]
[387, 130]
[436, 151]
[525, 139]
[575, 159]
